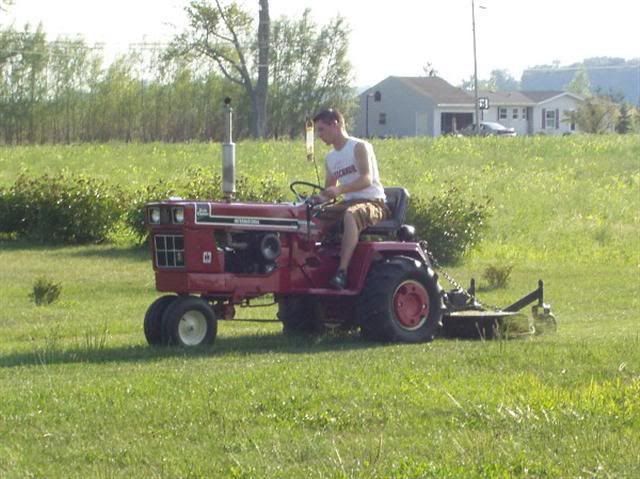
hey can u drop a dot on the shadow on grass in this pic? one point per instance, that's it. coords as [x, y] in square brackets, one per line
[223, 346]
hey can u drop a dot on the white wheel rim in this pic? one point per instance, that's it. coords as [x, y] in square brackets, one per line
[192, 328]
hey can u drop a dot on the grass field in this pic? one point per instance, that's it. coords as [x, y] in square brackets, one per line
[83, 396]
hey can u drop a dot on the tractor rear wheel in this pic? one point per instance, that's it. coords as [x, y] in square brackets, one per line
[153, 320]
[190, 322]
[299, 315]
[401, 301]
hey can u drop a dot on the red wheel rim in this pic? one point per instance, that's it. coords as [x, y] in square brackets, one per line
[411, 304]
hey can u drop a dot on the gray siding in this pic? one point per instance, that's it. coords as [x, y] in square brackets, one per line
[401, 106]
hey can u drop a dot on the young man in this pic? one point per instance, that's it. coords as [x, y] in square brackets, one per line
[351, 171]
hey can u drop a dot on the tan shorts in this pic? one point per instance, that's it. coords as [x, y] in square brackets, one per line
[365, 212]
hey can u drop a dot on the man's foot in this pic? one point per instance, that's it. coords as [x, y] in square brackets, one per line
[339, 281]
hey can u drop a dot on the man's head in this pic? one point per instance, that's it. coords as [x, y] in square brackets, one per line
[329, 126]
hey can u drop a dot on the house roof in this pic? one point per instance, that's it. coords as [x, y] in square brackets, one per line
[539, 96]
[438, 89]
[515, 98]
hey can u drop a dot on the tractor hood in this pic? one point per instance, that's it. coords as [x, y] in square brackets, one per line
[233, 215]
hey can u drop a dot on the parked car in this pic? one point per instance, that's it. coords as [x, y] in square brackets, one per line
[488, 128]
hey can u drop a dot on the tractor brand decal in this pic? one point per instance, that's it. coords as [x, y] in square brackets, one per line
[250, 222]
[206, 257]
[246, 221]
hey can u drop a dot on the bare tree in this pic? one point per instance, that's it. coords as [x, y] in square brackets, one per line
[225, 35]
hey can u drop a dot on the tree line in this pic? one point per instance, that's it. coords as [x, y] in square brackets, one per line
[277, 74]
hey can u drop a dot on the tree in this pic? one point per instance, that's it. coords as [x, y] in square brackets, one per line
[501, 80]
[625, 120]
[596, 115]
[468, 84]
[309, 69]
[225, 35]
[580, 84]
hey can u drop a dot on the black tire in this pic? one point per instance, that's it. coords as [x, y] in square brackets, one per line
[401, 301]
[299, 316]
[153, 320]
[190, 322]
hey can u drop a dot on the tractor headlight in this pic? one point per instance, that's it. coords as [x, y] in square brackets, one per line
[154, 215]
[270, 246]
[178, 215]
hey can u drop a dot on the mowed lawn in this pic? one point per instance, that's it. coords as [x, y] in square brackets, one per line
[84, 396]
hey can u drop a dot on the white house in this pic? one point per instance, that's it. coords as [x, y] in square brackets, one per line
[429, 106]
[532, 112]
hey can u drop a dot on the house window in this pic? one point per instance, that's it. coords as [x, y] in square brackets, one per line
[382, 120]
[515, 113]
[524, 113]
[377, 96]
[502, 113]
[550, 119]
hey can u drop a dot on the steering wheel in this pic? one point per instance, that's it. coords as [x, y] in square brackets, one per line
[300, 196]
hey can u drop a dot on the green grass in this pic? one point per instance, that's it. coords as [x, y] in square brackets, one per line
[83, 396]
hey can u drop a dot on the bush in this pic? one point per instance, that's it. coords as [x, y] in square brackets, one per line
[449, 223]
[62, 208]
[45, 291]
[497, 276]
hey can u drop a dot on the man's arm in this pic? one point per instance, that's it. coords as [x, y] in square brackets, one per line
[363, 180]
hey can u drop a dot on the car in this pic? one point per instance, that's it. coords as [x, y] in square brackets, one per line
[489, 128]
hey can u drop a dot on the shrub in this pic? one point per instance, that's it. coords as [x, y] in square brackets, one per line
[450, 223]
[62, 208]
[45, 291]
[497, 276]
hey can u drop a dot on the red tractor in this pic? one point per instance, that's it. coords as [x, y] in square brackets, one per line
[215, 255]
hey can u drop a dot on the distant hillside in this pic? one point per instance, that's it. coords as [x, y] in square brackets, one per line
[607, 75]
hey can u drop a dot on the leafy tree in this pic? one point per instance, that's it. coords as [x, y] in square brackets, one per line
[625, 120]
[309, 69]
[225, 35]
[596, 115]
[468, 84]
[501, 80]
[580, 84]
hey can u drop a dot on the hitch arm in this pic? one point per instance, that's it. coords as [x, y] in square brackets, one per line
[537, 294]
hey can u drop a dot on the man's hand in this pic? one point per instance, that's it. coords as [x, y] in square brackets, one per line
[317, 199]
[331, 192]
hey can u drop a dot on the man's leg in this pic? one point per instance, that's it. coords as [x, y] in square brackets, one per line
[349, 240]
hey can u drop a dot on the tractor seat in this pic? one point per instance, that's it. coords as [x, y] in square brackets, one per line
[397, 202]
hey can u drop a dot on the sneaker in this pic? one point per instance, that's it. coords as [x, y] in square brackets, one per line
[339, 281]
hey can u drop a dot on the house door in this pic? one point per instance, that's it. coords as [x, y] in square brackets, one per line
[453, 122]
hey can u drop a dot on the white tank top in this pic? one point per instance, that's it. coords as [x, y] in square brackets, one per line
[342, 165]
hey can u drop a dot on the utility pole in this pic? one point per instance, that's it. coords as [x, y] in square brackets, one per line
[475, 67]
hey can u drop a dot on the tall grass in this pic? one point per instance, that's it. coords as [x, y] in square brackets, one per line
[83, 396]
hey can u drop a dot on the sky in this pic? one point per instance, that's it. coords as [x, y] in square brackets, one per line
[397, 37]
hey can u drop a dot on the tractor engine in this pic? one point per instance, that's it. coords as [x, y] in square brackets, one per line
[249, 252]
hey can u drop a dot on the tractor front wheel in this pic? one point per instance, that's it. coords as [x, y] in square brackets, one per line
[153, 320]
[401, 301]
[190, 322]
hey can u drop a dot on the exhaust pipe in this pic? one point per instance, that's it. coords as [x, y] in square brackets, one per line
[228, 155]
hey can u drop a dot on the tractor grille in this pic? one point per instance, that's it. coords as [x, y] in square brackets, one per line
[169, 251]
